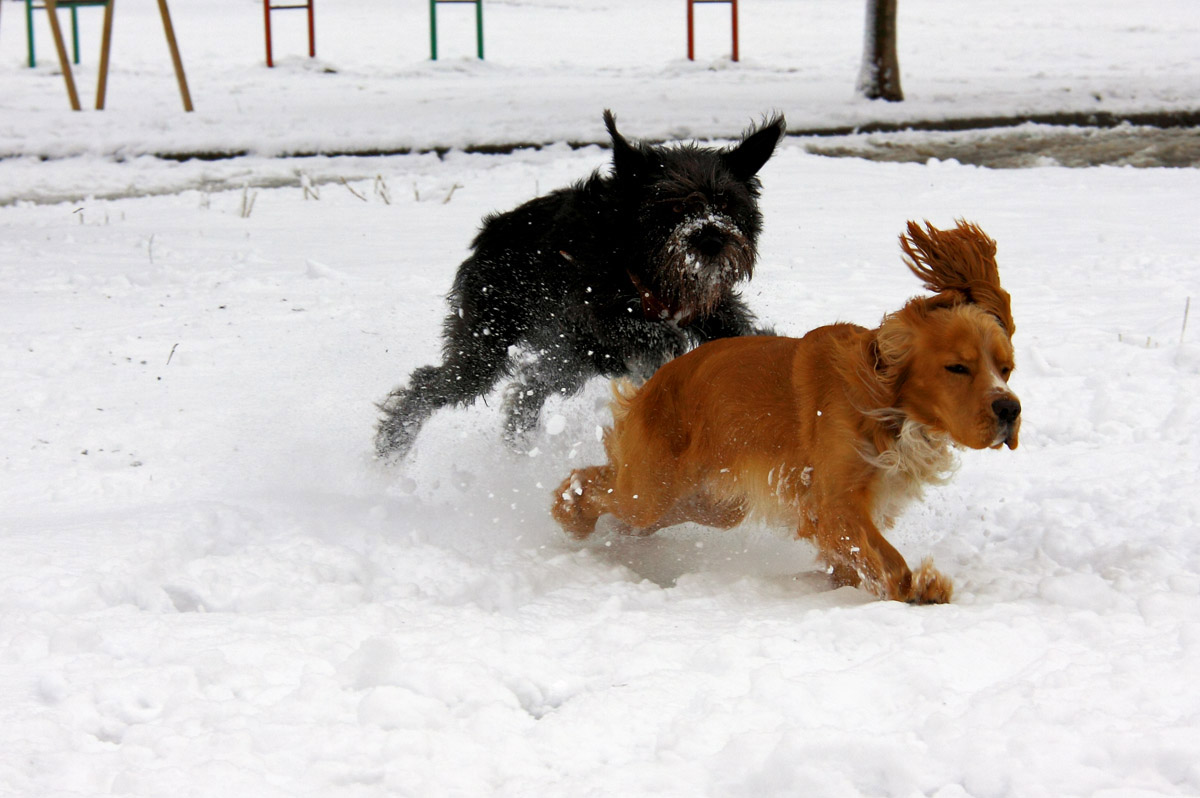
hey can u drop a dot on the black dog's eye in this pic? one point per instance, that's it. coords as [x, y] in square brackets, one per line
[1004, 372]
[692, 203]
[958, 368]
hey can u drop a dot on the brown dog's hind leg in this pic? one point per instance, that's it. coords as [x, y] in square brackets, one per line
[703, 509]
[581, 499]
[589, 493]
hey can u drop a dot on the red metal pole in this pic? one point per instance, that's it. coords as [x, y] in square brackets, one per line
[312, 40]
[691, 24]
[267, 16]
[735, 31]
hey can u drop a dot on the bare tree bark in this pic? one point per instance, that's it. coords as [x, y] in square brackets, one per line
[879, 78]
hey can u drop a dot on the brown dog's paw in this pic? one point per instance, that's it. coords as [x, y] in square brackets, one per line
[929, 586]
[572, 508]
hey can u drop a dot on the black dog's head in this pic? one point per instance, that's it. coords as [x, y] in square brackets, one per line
[696, 216]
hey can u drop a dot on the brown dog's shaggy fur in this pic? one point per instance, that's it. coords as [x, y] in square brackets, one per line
[830, 433]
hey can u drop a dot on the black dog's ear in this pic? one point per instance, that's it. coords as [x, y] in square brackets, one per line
[628, 160]
[757, 146]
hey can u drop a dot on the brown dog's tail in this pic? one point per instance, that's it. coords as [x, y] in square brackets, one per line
[623, 391]
[960, 266]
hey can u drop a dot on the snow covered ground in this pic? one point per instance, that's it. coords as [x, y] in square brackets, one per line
[553, 64]
[209, 588]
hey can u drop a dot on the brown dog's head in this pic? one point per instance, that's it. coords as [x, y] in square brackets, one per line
[946, 359]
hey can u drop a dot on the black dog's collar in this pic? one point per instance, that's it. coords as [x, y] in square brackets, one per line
[654, 308]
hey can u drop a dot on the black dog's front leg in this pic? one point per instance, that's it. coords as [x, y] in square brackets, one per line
[555, 372]
[472, 363]
[730, 319]
[636, 348]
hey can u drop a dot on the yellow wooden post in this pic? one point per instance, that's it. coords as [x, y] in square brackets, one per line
[52, 8]
[105, 46]
[175, 59]
[106, 49]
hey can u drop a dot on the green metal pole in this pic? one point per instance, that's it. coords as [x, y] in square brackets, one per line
[433, 30]
[479, 28]
[75, 32]
[29, 31]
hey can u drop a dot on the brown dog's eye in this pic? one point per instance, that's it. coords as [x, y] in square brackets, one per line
[958, 368]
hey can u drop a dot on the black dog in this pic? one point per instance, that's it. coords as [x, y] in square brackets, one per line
[613, 276]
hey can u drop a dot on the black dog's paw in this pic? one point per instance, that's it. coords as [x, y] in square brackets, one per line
[640, 369]
[661, 342]
[396, 431]
[392, 442]
[521, 408]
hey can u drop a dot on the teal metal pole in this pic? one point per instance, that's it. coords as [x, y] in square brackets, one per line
[433, 30]
[29, 31]
[75, 32]
[433, 26]
[479, 28]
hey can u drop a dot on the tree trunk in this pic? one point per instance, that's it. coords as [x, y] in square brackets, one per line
[879, 78]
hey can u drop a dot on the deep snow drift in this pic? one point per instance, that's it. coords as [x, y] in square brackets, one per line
[209, 588]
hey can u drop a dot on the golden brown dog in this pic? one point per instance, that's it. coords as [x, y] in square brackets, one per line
[830, 433]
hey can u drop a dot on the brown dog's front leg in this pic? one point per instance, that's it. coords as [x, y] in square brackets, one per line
[858, 554]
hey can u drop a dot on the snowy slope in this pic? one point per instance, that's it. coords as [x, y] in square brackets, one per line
[209, 588]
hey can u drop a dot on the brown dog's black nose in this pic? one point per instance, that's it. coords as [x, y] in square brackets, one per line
[1006, 410]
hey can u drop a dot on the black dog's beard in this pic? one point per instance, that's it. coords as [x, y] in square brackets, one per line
[703, 257]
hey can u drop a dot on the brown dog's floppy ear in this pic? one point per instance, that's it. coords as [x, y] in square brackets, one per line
[892, 343]
[961, 262]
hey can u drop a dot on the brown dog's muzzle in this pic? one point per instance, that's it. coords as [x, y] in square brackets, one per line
[1008, 420]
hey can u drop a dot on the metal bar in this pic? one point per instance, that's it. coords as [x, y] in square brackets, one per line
[433, 4]
[691, 30]
[479, 28]
[691, 26]
[267, 22]
[433, 30]
[312, 33]
[31, 6]
[29, 31]
[75, 33]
